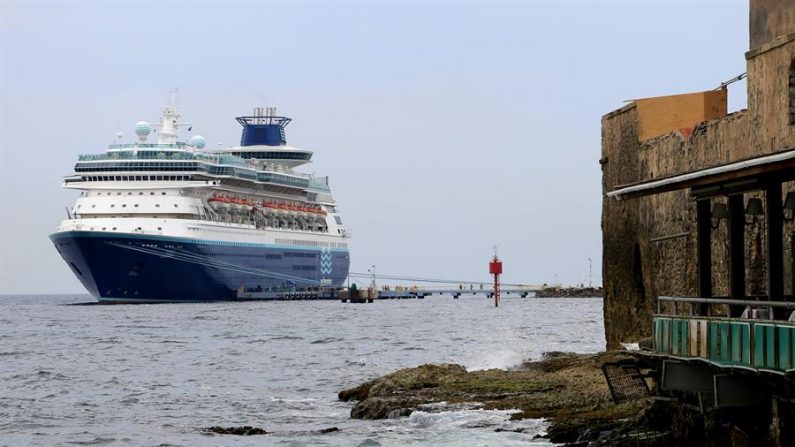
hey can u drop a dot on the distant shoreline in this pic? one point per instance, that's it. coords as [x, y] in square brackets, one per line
[571, 292]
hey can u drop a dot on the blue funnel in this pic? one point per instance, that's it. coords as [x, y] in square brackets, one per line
[261, 129]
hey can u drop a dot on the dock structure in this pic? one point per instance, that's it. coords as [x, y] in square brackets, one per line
[522, 292]
[370, 295]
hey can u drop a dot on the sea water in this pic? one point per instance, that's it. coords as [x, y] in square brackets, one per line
[156, 375]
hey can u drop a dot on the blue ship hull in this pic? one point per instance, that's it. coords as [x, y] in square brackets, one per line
[125, 268]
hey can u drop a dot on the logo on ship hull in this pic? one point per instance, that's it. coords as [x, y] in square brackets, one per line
[325, 261]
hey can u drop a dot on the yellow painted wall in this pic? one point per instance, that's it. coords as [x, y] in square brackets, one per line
[664, 114]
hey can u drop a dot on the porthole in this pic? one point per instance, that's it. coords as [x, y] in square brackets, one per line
[157, 205]
[136, 205]
[129, 193]
[163, 193]
[151, 193]
[113, 205]
[175, 205]
[159, 228]
[140, 193]
[94, 205]
[114, 228]
[124, 205]
[118, 193]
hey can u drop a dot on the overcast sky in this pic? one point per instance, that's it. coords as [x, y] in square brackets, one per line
[446, 128]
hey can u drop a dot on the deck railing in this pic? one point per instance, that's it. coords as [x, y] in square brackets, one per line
[726, 341]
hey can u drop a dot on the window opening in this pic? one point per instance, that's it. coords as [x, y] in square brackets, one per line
[791, 91]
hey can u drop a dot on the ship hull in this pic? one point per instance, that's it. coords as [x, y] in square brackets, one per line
[132, 268]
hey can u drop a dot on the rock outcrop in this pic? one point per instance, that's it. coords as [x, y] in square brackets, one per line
[567, 389]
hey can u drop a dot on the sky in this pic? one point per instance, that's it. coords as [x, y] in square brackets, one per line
[447, 128]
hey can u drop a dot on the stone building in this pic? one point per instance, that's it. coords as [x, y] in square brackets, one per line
[651, 243]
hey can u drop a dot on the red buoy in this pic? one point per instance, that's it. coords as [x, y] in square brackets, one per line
[495, 268]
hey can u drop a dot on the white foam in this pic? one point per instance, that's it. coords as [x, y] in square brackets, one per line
[292, 400]
[459, 418]
[499, 359]
[453, 421]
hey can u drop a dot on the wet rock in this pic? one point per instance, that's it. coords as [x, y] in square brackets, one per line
[382, 408]
[329, 430]
[567, 389]
[244, 430]
[513, 430]
[358, 393]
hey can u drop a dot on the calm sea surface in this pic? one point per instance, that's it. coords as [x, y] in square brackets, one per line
[152, 375]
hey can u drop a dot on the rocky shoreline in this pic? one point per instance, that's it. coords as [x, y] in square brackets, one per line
[568, 390]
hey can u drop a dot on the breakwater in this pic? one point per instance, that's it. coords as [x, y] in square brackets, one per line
[570, 292]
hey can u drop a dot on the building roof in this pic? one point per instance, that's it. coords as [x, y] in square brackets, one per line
[737, 176]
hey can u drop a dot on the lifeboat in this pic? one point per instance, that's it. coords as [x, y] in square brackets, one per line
[248, 205]
[218, 201]
[268, 207]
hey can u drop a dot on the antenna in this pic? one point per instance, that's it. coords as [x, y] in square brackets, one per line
[174, 93]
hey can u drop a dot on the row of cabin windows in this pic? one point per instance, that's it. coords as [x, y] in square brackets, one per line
[124, 205]
[136, 178]
[129, 193]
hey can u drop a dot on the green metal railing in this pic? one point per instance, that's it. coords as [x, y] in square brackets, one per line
[731, 342]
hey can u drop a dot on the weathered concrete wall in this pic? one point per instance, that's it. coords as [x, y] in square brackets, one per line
[649, 244]
[712, 143]
[625, 302]
[771, 94]
[770, 19]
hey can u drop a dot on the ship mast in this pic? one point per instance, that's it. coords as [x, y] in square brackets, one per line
[169, 122]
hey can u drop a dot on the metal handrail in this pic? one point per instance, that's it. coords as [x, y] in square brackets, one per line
[779, 304]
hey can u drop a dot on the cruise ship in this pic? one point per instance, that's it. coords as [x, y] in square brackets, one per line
[174, 222]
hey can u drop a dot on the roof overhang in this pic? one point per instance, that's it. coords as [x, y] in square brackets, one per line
[739, 176]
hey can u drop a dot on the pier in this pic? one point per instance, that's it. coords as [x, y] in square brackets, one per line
[370, 295]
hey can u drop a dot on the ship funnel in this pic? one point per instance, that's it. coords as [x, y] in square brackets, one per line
[263, 128]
